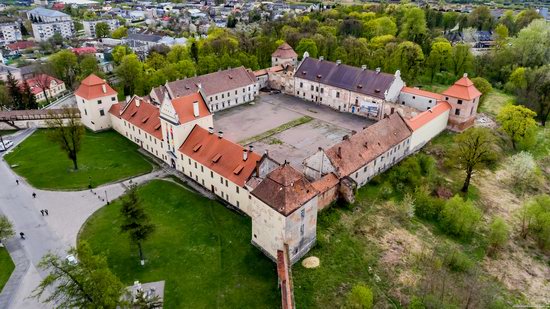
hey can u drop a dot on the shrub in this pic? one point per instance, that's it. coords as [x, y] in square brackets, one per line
[499, 232]
[386, 190]
[456, 260]
[416, 303]
[427, 164]
[538, 216]
[360, 297]
[459, 217]
[406, 173]
[426, 206]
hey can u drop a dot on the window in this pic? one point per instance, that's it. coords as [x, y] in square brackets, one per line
[211, 174]
[322, 90]
[226, 183]
[210, 99]
[365, 169]
[414, 97]
[235, 92]
[221, 180]
[237, 189]
[459, 101]
[101, 112]
[181, 156]
[113, 99]
[429, 101]
[301, 85]
[311, 87]
[302, 230]
[337, 94]
[222, 96]
[303, 213]
[446, 98]
[189, 161]
[98, 101]
[85, 112]
[238, 204]
[457, 112]
[195, 165]
[202, 169]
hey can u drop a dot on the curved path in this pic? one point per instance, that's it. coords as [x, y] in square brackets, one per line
[54, 233]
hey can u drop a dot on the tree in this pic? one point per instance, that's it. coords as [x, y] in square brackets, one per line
[501, 34]
[135, 220]
[119, 52]
[67, 131]
[481, 18]
[381, 26]
[143, 301]
[461, 59]
[518, 123]
[195, 51]
[484, 87]
[6, 228]
[508, 20]
[407, 58]
[459, 217]
[439, 57]
[15, 92]
[87, 283]
[231, 21]
[102, 30]
[5, 100]
[88, 65]
[472, 150]
[413, 25]
[119, 33]
[28, 97]
[499, 233]
[360, 297]
[522, 169]
[525, 17]
[307, 45]
[129, 69]
[538, 219]
[64, 65]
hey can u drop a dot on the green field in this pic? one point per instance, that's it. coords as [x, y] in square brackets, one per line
[200, 248]
[105, 157]
[6, 267]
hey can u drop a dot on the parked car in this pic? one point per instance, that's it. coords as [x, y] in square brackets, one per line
[5, 145]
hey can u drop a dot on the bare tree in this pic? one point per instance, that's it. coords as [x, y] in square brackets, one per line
[67, 131]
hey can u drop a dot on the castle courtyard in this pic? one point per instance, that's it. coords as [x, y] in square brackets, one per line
[287, 127]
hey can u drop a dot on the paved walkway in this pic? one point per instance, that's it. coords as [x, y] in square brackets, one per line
[55, 233]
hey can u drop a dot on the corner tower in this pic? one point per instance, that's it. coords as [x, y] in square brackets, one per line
[94, 98]
[464, 99]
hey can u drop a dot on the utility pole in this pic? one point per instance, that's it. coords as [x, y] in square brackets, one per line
[106, 197]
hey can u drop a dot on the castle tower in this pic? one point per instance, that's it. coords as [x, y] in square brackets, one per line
[284, 55]
[94, 98]
[464, 99]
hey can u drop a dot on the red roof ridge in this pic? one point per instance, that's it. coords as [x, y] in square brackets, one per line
[425, 117]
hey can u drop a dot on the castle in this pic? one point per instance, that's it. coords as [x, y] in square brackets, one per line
[175, 124]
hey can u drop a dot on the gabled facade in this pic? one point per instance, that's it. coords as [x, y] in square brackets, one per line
[45, 87]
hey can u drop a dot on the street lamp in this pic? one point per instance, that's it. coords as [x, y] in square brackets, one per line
[89, 182]
[106, 197]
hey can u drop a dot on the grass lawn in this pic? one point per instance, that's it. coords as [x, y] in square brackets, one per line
[7, 132]
[200, 248]
[105, 157]
[496, 99]
[6, 267]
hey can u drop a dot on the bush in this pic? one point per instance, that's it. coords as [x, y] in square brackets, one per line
[406, 173]
[360, 297]
[386, 190]
[457, 261]
[538, 216]
[459, 217]
[426, 206]
[499, 233]
[427, 164]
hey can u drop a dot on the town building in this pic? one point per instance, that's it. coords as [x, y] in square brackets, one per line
[94, 99]
[221, 90]
[90, 25]
[45, 23]
[284, 55]
[10, 32]
[5, 70]
[45, 87]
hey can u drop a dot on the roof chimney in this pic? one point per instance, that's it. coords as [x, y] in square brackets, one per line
[210, 130]
[127, 99]
[338, 61]
[245, 154]
[199, 85]
[196, 108]
[104, 88]
[266, 152]
[250, 148]
[353, 132]
[137, 102]
[363, 67]
[321, 58]
[377, 70]
[339, 152]
[345, 138]
[465, 75]
[220, 134]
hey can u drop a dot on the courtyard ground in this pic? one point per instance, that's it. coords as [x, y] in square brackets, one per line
[6, 267]
[288, 128]
[199, 247]
[104, 157]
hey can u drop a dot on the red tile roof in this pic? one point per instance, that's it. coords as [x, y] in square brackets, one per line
[422, 93]
[146, 116]
[20, 45]
[42, 80]
[285, 190]
[359, 149]
[92, 88]
[326, 182]
[261, 72]
[84, 50]
[463, 89]
[423, 118]
[284, 51]
[220, 155]
[184, 107]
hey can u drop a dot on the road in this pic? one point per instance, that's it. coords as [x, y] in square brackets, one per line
[55, 233]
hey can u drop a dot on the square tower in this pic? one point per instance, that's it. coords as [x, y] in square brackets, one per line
[94, 98]
[464, 99]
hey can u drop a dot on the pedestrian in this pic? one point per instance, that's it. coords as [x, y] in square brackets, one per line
[22, 235]
[17, 181]
[46, 211]
[34, 195]
[42, 212]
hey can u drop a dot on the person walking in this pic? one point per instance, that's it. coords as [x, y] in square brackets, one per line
[33, 195]
[22, 235]
[42, 212]
[46, 211]
[17, 181]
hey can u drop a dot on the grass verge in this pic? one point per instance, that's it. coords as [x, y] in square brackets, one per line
[279, 129]
[6, 267]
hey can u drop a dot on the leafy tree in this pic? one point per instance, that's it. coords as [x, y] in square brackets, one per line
[64, 65]
[307, 45]
[522, 169]
[461, 59]
[407, 58]
[119, 52]
[439, 57]
[143, 301]
[472, 150]
[525, 17]
[231, 21]
[87, 66]
[538, 219]
[531, 47]
[413, 25]
[426, 206]
[450, 19]
[518, 123]
[508, 20]
[481, 18]
[360, 297]
[127, 72]
[351, 27]
[194, 51]
[459, 217]
[380, 26]
[135, 220]
[67, 131]
[5, 100]
[6, 228]
[501, 34]
[484, 87]
[28, 97]
[119, 33]
[102, 30]
[177, 53]
[88, 283]
[15, 92]
[499, 233]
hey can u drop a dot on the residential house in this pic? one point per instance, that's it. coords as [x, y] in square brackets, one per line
[45, 87]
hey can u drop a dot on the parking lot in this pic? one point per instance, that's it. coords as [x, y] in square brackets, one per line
[265, 117]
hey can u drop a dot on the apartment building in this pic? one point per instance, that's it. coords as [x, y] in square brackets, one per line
[10, 33]
[45, 23]
[90, 25]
